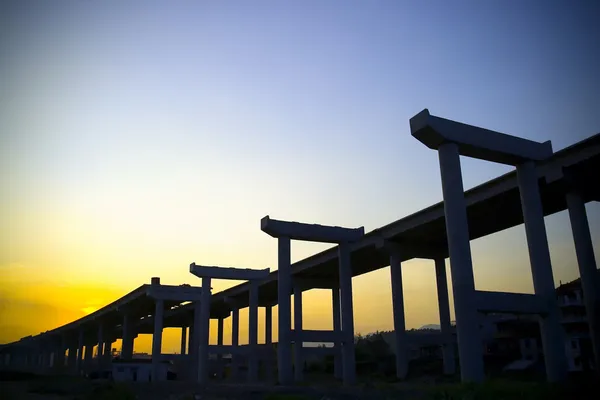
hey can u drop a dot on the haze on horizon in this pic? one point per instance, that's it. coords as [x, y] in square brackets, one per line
[137, 137]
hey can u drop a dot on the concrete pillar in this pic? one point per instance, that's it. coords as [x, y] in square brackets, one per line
[128, 337]
[80, 350]
[235, 339]
[461, 265]
[89, 355]
[337, 328]
[399, 320]
[587, 268]
[284, 289]
[541, 269]
[72, 358]
[157, 338]
[194, 340]
[220, 343]
[183, 340]
[204, 330]
[269, 367]
[444, 308]
[100, 343]
[108, 350]
[253, 332]
[298, 356]
[348, 354]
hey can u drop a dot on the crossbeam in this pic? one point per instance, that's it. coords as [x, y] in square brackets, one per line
[477, 142]
[238, 274]
[310, 232]
[512, 303]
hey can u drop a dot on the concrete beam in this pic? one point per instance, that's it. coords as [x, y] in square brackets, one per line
[316, 336]
[476, 142]
[238, 274]
[512, 303]
[315, 283]
[310, 232]
[174, 293]
[419, 250]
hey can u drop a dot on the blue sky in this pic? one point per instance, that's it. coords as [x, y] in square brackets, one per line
[137, 137]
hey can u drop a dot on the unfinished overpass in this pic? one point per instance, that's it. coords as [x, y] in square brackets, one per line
[566, 179]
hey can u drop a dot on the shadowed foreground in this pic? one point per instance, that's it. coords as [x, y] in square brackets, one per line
[31, 387]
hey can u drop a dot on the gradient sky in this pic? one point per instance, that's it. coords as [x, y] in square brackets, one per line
[137, 137]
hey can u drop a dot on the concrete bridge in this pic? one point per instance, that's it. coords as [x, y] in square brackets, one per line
[543, 183]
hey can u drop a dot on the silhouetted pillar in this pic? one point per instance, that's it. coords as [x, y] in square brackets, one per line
[159, 310]
[284, 290]
[235, 338]
[587, 268]
[337, 328]
[80, 350]
[204, 331]
[183, 340]
[298, 356]
[89, 355]
[348, 352]
[399, 321]
[220, 343]
[253, 332]
[461, 265]
[269, 367]
[541, 268]
[444, 308]
[100, 344]
[128, 337]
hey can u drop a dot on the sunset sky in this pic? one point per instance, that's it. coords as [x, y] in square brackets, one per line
[139, 136]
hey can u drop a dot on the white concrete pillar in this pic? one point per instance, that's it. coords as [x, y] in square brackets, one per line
[100, 343]
[183, 340]
[80, 350]
[128, 337]
[337, 328]
[541, 268]
[220, 343]
[204, 331]
[159, 310]
[587, 268]
[89, 355]
[269, 367]
[298, 356]
[444, 308]
[194, 340]
[348, 352]
[399, 319]
[253, 332]
[284, 290]
[235, 339]
[461, 265]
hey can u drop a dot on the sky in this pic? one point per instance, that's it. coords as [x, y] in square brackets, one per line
[138, 137]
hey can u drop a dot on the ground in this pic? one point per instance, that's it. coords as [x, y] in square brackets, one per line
[31, 387]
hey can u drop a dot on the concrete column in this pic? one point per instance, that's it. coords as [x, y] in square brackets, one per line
[444, 308]
[157, 338]
[348, 354]
[269, 367]
[284, 289]
[89, 355]
[183, 340]
[128, 337]
[253, 332]
[587, 268]
[461, 265]
[194, 340]
[204, 331]
[235, 339]
[399, 320]
[298, 356]
[100, 343]
[541, 269]
[337, 328]
[80, 350]
[108, 350]
[220, 343]
[72, 358]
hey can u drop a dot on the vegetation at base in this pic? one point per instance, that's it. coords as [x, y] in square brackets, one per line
[510, 390]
